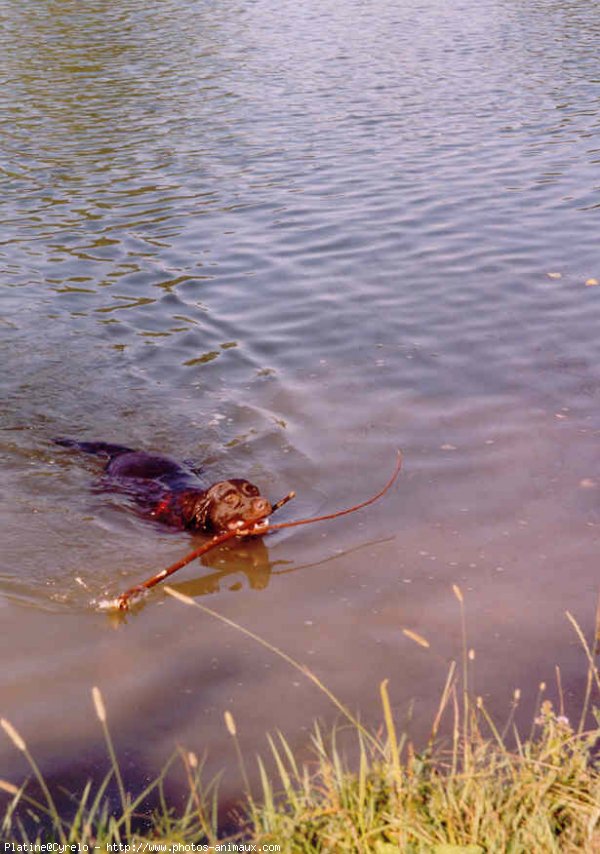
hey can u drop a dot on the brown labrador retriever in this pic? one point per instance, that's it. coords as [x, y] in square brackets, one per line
[172, 494]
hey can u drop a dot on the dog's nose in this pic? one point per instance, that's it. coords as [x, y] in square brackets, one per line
[261, 506]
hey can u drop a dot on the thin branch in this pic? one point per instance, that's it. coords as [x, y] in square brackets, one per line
[353, 509]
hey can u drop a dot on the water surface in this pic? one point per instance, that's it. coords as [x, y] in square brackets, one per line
[282, 240]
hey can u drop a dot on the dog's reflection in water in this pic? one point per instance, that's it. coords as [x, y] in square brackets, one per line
[248, 558]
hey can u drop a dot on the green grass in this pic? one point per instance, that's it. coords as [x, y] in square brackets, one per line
[480, 788]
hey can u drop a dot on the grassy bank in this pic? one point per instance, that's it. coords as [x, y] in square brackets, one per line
[476, 788]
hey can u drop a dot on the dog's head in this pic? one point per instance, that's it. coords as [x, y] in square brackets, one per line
[226, 504]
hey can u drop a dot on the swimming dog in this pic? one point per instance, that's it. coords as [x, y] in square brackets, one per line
[172, 494]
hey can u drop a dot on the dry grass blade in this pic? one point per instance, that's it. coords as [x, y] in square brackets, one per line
[306, 671]
[417, 638]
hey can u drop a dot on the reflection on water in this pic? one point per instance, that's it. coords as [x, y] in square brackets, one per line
[280, 242]
[249, 561]
[241, 567]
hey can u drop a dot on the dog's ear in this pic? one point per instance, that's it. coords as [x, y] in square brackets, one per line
[201, 511]
[205, 502]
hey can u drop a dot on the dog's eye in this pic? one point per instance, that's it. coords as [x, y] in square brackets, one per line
[249, 489]
[232, 499]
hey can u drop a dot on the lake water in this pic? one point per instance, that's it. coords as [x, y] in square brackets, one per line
[283, 240]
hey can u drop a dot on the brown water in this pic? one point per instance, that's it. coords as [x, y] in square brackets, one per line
[285, 239]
